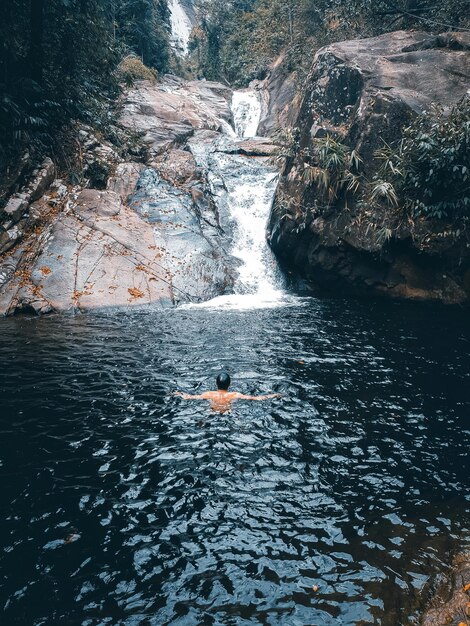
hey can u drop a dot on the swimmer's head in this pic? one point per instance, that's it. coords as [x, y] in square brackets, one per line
[223, 381]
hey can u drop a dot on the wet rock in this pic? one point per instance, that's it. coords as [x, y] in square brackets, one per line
[363, 92]
[99, 159]
[41, 180]
[252, 147]
[139, 242]
[451, 604]
[87, 260]
[190, 248]
[92, 203]
[18, 204]
[59, 188]
[8, 238]
[143, 233]
[177, 167]
[125, 179]
[15, 208]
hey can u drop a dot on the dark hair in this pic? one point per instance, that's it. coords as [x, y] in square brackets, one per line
[223, 381]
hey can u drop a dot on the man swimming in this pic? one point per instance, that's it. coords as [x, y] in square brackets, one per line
[221, 400]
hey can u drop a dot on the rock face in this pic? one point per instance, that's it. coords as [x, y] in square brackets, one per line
[280, 99]
[451, 603]
[169, 113]
[363, 92]
[151, 232]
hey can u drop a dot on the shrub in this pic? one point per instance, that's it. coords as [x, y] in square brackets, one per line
[333, 168]
[429, 169]
[131, 69]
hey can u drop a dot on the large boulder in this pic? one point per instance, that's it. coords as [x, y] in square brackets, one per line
[141, 233]
[363, 92]
[450, 605]
[280, 98]
[138, 242]
[168, 113]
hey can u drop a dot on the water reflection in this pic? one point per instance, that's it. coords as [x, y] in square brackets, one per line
[124, 504]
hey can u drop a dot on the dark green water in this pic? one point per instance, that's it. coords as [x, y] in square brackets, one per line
[124, 505]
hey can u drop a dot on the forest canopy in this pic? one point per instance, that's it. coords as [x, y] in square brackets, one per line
[58, 61]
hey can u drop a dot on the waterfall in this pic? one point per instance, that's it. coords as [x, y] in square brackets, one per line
[180, 27]
[246, 186]
[246, 108]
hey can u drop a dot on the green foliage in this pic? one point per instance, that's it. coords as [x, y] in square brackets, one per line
[429, 169]
[287, 145]
[238, 39]
[58, 61]
[384, 191]
[143, 27]
[334, 170]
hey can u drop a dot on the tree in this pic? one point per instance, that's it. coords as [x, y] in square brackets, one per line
[241, 38]
[57, 62]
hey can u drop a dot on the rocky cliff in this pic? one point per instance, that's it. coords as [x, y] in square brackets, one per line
[362, 93]
[138, 231]
[280, 98]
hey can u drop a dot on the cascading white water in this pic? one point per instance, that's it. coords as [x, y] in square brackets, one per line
[246, 108]
[180, 27]
[248, 197]
[246, 186]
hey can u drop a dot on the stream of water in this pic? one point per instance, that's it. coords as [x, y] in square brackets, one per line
[180, 27]
[248, 197]
[246, 106]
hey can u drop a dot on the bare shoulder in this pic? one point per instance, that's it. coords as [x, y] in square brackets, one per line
[240, 396]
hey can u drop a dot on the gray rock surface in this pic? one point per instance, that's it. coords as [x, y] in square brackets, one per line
[169, 113]
[363, 92]
[280, 99]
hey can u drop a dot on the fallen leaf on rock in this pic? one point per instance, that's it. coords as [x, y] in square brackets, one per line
[45, 270]
[87, 291]
[467, 587]
[136, 293]
[35, 290]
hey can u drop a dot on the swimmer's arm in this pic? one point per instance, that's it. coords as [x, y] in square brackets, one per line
[242, 396]
[187, 396]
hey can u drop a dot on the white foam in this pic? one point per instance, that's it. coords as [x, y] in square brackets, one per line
[247, 302]
[246, 108]
[249, 203]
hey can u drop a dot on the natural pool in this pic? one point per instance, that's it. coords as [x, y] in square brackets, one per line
[122, 504]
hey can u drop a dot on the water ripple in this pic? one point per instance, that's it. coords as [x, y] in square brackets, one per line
[126, 505]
